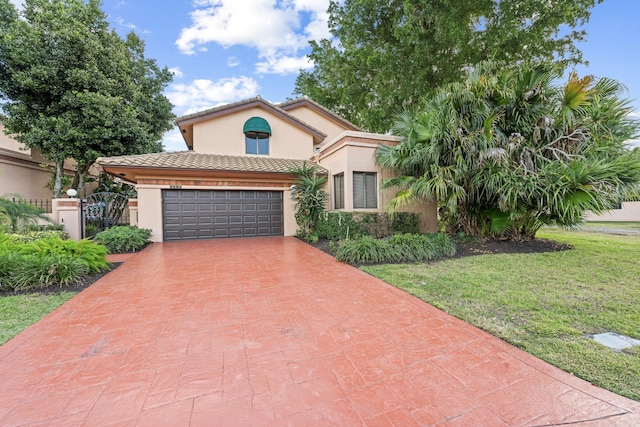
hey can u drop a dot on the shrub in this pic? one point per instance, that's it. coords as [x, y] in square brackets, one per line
[90, 254]
[365, 250]
[345, 225]
[123, 238]
[31, 236]
[398, 248]
[20, 272]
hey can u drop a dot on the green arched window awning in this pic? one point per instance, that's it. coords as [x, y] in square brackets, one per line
[256, 124]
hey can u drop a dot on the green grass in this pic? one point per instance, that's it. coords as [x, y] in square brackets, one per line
[545, 303]
[18, 312]
[629, 225]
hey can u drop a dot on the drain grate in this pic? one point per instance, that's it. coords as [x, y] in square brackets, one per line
[615, 341]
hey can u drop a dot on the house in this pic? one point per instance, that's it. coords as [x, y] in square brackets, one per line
[21, 171]
[235, 177]
[26, 173]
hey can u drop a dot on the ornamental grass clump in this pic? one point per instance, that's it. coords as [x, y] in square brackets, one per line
[397, 248]
[47, 262]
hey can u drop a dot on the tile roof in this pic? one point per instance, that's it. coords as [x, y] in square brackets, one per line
[199, 161]
[305, 100]
[247, 103]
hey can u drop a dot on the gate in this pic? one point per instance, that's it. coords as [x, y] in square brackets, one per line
[103, 210]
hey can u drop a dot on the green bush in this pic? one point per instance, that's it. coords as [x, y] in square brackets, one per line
[365, 250]
[90, 254]
[31, 236]
[46, 262]
[123, 238]
[397, 248]
[20, 272]
[336, 225]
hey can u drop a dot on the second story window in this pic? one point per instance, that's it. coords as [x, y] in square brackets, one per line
[257, 132]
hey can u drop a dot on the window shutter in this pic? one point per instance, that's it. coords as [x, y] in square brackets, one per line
[358, 190]
[371, 193]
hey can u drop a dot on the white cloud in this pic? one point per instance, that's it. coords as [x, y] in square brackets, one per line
[177, 72]
[202, 94]
[277, 30]
[283, 65]
[232, 61]
[173, 141]
[128, 25]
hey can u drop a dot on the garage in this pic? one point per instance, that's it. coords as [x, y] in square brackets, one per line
[212, 214]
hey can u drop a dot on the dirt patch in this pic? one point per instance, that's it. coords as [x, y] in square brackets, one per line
[486, 247]
[509, 247]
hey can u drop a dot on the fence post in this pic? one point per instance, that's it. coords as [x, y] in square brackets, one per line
[68, 212]
[133, 212]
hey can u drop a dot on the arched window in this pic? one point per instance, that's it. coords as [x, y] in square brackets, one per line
[257, 132]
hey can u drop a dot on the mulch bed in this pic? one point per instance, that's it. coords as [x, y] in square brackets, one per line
[487, 247]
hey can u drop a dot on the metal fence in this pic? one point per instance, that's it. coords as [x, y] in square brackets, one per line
[44, 204]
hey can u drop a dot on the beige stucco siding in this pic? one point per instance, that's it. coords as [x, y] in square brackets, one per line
[346, 160]
[28, 181]
[351, 155]
[318, 121]
[629, 211]
[150, 210]
[224, 136]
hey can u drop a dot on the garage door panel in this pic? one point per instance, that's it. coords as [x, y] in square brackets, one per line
[206, 214]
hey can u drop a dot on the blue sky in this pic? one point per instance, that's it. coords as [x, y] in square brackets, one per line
[223, 51]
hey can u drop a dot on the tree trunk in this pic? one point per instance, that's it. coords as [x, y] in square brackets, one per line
[57, 186]
[78, 178]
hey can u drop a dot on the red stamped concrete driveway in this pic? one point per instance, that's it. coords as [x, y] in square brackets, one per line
[270, 331]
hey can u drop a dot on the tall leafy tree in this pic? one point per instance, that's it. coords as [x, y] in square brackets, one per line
[507, 151]
[386, 55]
[74, 89]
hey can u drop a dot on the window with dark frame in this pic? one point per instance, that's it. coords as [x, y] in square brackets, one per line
[338, 191]
[257, 143]
[365, 194]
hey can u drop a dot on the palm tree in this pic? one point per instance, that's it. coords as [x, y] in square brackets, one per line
[18, 213]
[310, 197]
[505, 152]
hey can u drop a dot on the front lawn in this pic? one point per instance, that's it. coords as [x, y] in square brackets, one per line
[548, 303]
[17, 312]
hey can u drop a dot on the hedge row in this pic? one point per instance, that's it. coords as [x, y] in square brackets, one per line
[335, 225]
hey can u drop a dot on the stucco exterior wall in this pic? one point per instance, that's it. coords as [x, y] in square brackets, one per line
[223, 135]
[630, 211]
[150, 210]
[318, 121]
[348, 155]
[21, 173]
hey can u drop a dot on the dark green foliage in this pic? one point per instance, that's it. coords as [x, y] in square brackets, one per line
[397, 248]
[344, 225]
[22, 272]
[386, 55]
[90, 254]
[366, 250]
[46, 262]
[508, 151]
[73, 88]
[310, 198]
[123, 238]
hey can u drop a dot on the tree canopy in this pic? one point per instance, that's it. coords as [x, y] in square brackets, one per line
[507, 151]
[73, 88]
[386, 55]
